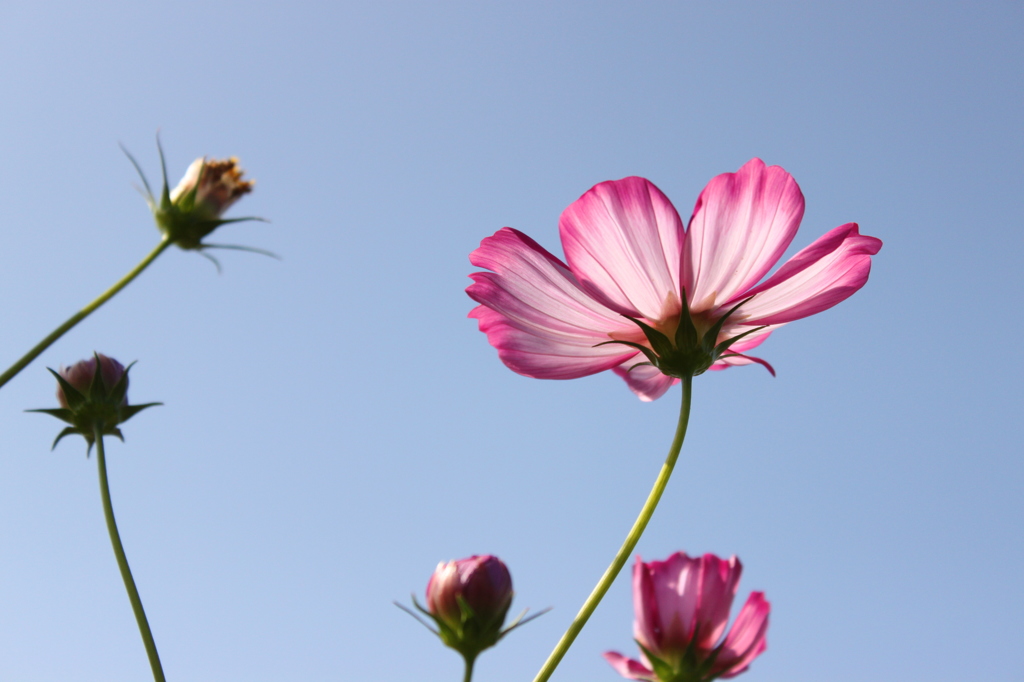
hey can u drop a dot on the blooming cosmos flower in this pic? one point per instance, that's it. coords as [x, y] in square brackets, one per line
[682, 610]
[637, 285]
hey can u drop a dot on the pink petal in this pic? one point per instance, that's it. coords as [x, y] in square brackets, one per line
[623, 240]
[537, 316]
[744, 344]
[647, 382]
[646, 620]
[742, 224]
[746, 640]
[828, 271]
[629, 668]
[719, 579]
[677, 592]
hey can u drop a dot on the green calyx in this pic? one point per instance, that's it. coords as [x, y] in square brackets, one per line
[470, 635]
[688, 354]
[100, 407]
[187, 220]
[690, 668]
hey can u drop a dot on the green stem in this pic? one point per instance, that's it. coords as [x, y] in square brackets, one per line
[13, 370]
[470, 660]
[627, 547]
[122, 562]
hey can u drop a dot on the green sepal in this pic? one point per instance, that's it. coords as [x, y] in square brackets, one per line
[97, 391]
[66, 432]
[643, 349]
[665, 672]
[659, 342]
[150, 199]
[129, 411]
[117, 394]
[711, 337]
[640, 364]
[686, 333]
[165, 193]
[61, 413]
[724, 346]
[71, 394]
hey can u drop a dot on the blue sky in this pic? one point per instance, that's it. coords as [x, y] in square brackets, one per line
[333, 424]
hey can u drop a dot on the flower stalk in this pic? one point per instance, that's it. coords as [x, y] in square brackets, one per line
[122, 561]
[626, 550]
[68, 325]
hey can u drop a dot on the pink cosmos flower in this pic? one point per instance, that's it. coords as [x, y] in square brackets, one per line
[682, 610]
[634, 279]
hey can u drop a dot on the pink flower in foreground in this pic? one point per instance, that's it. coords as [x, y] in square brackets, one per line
[682, 610]
[637, 285]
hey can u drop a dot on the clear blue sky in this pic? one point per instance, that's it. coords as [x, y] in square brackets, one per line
[334, 425]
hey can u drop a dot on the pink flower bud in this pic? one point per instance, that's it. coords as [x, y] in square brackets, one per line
[80, 376]
[471, 596]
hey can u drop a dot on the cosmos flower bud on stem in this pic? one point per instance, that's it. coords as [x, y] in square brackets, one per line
[193, 209]
[93, 394]
[468, 600]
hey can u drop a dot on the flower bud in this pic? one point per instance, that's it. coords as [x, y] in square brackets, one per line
[473, 593]
[80, 375]
[93, 395]
[468, 600]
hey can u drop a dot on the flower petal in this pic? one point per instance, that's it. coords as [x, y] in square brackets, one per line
[629, 668]
[677, 592]
[719, 579]
[537, 316]
[742, 224]
[737, 351]
[647, 382]
[746, 639]
[623, 240]
[646, 621]
[828, 271]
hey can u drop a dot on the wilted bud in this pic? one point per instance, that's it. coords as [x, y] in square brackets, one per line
[93, 395]
[468, 599]
[193, 209]
[217, 185]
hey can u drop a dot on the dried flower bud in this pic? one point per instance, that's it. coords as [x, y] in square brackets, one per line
[220, 184]
[194, 208]
[93, 395]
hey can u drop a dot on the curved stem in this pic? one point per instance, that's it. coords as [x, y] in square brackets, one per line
[13, 370]
[627, 547]
[122, 561]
